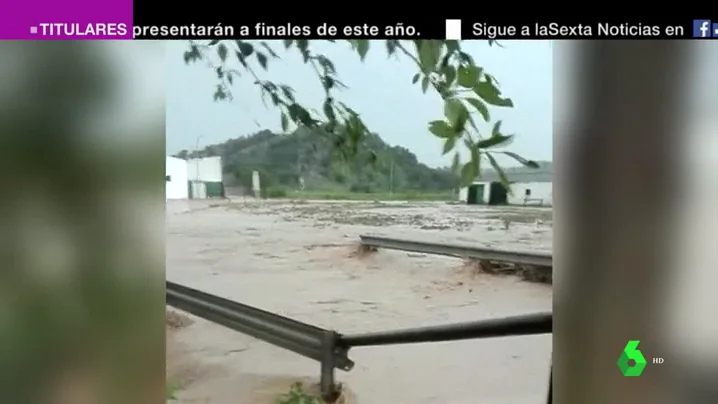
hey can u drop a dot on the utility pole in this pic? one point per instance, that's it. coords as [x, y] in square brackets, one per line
[391, 177]
[196, 159]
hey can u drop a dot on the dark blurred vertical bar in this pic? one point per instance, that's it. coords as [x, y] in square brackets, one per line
[81, 222]
[617, 160]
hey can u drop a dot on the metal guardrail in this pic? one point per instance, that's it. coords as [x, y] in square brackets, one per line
[303, 339]
[329, 347]
[458, 250]
[530, 324]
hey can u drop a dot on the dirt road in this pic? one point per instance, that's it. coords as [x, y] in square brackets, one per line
[299, 259]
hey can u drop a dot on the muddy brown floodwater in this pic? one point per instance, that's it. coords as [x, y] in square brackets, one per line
[299, 259]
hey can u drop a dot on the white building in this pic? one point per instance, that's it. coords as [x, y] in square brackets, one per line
[176, 178]
[528, 187]
[205, 177]
[193, 179]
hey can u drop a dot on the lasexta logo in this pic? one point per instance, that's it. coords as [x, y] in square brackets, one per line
[631, 362]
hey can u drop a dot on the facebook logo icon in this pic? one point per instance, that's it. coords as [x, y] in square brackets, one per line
[702, 29]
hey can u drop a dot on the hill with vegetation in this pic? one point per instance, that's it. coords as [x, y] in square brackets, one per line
[282, 159]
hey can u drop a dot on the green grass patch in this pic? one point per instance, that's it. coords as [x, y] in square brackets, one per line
[297, 395]
[171, 392]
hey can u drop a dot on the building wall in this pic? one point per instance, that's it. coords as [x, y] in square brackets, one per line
[487, 190]
[176, 187]
[208, 169]
[463, 194]
[542, 191]
[539, 190]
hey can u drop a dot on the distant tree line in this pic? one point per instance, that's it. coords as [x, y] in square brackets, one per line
[282, 159]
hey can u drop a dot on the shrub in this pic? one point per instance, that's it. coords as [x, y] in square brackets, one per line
[275, 192]
[360, 188]
[297, 395]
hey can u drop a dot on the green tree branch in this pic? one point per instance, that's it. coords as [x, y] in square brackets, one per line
[467, 90]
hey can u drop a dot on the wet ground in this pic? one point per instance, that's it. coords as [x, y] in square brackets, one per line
[300, 259]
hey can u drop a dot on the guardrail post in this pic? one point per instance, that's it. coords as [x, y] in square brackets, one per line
[326, 383]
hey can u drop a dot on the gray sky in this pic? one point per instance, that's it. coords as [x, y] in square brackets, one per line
[380, 89]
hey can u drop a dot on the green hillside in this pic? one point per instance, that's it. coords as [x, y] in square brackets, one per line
[283, 159]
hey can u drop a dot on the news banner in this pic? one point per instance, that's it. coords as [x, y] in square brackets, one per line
[123, 19]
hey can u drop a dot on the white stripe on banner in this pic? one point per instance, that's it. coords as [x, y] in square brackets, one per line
[453, 29]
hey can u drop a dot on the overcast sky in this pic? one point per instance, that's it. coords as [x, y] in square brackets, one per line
[380, 88]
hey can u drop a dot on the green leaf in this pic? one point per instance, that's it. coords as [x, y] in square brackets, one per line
[449, 144]
[171, 392]
[415, 78]
[476, 159]
[456, 112]
[219, 93]
[492, 80]
[222, 52]
[298, 114]
[456, 161]
[496, 130]
[480, 106]
[473, 124]
[444, 91]
[429, 53]
[288, 92]
[192, 55]
[245, 48]
[467, 76]
[302, 44]
[241, 58]
[460, 124]
[523, 161]
[465, 58]
[326, 64]
[449, 74]
[262, 59]
[441, 129]
[329, 110]
[500, 171]
[488, 92]
[493, 42]
[275, 99]
[391, 45]
[425, 84]
[285, 122]
[288, 43]
[469, 173]
[452, 45]
[269, 50]
[445, 61]
[494, 141]
[327, 82]
[362, 48]
[213, 42]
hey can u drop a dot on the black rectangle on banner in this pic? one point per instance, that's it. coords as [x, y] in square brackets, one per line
[296, 28]
[154, 22]
[583, 28]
